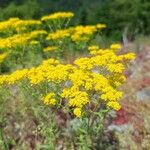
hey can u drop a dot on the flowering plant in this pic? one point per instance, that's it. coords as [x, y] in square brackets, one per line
[84, 90]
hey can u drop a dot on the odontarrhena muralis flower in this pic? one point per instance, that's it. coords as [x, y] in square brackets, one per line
[91, 80]
[97, 75]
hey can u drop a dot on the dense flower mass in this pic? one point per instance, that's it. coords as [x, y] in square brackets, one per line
[19, 35]
[87, 81]
[65, 76]
[100, 74]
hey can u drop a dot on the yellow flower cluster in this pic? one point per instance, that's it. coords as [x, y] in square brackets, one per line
[115, 46]
[14, 77]
[20, 39]
[83, 33]
[100, 74]
[77, 112]
[18, 36]
[77, 98]
[93, 48]
[59, 34]
[58, 15]
[34, 42]
[17, 24]
[20, 23]
[5, 25]
[100, 26]
[50, 48]
[113, 104]
[87, 80]
[49, 99]
[76, 34]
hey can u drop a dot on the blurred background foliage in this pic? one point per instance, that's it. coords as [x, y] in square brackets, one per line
[124, 18]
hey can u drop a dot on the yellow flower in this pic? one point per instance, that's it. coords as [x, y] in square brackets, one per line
[78, 99]
[34, 42]
[17, 24]
[77, 112]
[128, 56]
[114, 105]
[82, 33]
[118, 67]
[111, 95]
[7, 25]
[50, 48]
[20, 39]
[101, 26]
[23, 23]
[93, 47]
[68, 92]
[115, 46]
[100, 74]
[18, 75]
[58, 15]
[49, 99]
[35, 75]
[59, 34]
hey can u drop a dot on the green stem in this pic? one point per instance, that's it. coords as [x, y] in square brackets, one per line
[3, 139]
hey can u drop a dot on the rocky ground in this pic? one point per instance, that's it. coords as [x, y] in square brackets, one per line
[132, 122]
